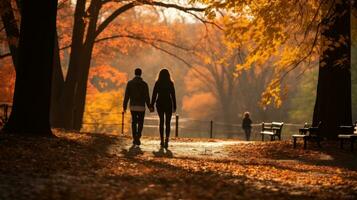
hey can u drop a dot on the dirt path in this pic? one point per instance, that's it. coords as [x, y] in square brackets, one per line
[181, 148]
[98, 166]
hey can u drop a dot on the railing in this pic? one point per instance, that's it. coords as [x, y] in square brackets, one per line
[194, 128]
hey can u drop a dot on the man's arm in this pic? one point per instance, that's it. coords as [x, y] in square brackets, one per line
[147, 96]
[154, 95]
[126, 97]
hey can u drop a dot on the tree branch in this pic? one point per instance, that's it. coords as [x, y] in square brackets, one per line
[128, 6]
[115, 14]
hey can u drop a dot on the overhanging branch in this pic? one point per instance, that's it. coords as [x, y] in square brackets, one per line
[131, 5]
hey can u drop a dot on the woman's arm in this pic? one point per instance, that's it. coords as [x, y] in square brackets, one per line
[173, 96]
[154, 95]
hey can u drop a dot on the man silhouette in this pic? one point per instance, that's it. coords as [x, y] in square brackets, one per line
[137, 91]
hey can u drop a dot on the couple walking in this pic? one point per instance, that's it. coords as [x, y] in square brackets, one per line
[137, 92]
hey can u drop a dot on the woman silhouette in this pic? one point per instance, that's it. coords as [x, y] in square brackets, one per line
[165, 98]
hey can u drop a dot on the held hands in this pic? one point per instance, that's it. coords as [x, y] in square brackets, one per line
[151, 109]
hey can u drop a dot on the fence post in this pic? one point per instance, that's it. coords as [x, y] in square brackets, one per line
[211, 129]
[122, 123]
[176, 125]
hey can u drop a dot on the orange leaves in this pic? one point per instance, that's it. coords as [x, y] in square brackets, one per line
[107, 77]
[94, 166]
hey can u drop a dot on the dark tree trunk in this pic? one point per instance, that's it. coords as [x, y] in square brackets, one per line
[11, 29]
[31, 106]
[68, 95]
[86, 61]
[74, 94]
[13, 34]
[81, 93]
[57, 88]
[333, 101]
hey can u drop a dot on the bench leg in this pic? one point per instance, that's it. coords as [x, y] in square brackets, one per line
[341, 143]
[305, 143]
[294, 142]
[272, 138]
[262, 137]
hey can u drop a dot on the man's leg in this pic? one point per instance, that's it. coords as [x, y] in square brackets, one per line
[134, 122]
[141, 116]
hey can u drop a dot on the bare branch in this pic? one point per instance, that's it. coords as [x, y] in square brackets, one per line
[115, 14]
[170, 5]
[137, 37]
[128, 6]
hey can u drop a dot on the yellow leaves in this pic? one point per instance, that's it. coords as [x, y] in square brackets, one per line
[272, 94]
[103, 112]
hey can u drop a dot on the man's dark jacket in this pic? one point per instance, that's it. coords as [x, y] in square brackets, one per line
[137, 91]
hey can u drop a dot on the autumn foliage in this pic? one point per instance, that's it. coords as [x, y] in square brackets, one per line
[97, 166]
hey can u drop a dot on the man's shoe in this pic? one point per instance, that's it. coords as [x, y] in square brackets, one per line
[162, 142]
[166, 145]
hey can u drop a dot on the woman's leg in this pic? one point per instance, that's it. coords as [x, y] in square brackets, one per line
[161, 126]
[168, 116]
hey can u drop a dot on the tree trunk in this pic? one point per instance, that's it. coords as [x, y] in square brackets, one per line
[74, 94]
[68, 95]
[57, 88]
[11, 29]
[32, 96]
[81, 93]
[333, 100]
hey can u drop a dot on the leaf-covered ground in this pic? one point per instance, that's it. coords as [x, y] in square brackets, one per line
[98, 166]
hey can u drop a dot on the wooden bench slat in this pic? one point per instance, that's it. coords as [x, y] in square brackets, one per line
[272, 129]
[308, 133]
[351, 136]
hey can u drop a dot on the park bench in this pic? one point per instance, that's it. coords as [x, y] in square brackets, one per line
[308, 133]
[349, 133]
[272, 129]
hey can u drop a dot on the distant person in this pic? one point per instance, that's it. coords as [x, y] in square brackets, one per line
[247, 125]
[165, 99]
[137, 91]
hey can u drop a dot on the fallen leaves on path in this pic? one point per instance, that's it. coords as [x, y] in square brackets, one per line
[98, 166]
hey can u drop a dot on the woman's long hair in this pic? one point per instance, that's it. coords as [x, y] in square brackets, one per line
[164, 76]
